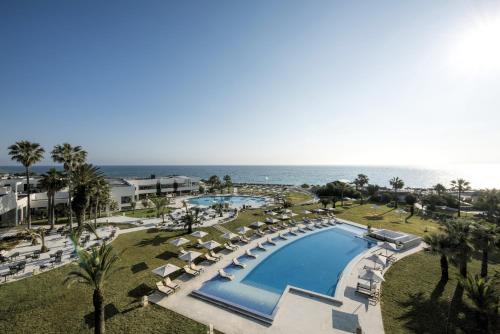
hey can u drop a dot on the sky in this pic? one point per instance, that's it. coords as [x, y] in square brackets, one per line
[254, 82]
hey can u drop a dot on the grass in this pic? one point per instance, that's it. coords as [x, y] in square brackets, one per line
[143, 213]
[413, 300]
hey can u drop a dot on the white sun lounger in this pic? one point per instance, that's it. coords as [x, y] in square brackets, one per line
[222, 273]
[270, 241]
[212, 253]
[238, 263]
[168, 283]
[259, 245]
[249, 253]
[164, 289]
[282, 236]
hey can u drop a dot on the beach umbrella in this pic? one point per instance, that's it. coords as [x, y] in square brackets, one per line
[189, 256]
[242, 230]
[377, 259]
[287, 211]
[166, 270]
[389, 246]
[199, 234]
[272, 213]
[284, 217]
[307, 212]
[210, 244]
[257, 224]
[179, 241]
[293, 214]
[271, 220]
[371, 275]
[229, 236]
[319, 210]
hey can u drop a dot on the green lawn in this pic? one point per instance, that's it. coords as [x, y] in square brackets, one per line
[413, 301]
[143, 213]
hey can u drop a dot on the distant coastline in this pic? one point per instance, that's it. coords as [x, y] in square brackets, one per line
[484, 176]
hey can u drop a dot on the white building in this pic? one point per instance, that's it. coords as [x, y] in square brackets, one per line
[13, 198]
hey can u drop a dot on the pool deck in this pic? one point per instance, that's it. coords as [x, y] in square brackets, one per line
[297, 313]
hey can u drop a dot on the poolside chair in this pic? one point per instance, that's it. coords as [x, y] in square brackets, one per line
[212, 254]
[190, 271]
[272, 228]
[222, 273]
[164, 289]
[372, 293]
[270, 241]
[249, 253]
[260, 233]
[169, 284]
[195, 267]
[229, 248]
[230, 244]
[260, 246]
[238, 263]
[181, 250]
[245, 239]
[207, 257]
[282, 236]
[292, 232]
[199, 243]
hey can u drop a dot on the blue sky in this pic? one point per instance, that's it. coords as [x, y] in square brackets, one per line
[254, 82]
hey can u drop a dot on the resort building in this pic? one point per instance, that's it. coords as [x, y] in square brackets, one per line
[14, 201]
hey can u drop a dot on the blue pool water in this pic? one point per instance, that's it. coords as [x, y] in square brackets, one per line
[313, 261]
[234, 201]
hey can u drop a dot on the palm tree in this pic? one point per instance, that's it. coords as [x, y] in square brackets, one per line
[484, 237]
[191, 218]
[160, 203]
[133, 205]
[227, 182]
[38, 234]
[52, 181]
[481, 291]
[360, 182]
[96, 266]
[324, 201]
[440, 244]
[145, 203]
[396, 183]
[27, 154]
[489, 201]
[459, 233]
[84, 179]
[460, 185]
[440, 189]
[71, 157]
[100, 194]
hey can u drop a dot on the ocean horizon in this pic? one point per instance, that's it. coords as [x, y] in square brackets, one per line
[480, 176]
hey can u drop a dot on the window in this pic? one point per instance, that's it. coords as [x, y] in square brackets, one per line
[126, 199]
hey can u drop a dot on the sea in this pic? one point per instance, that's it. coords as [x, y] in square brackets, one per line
[479, 176]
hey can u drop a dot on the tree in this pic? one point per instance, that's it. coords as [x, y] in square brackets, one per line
[52, 182]
[372, 189]
[100, 195]
[410, 199]
[201, 189]
[481, 291]
[228, 183]
[113, 205]
[214, 183]
[71, 157]
[96, 267]
[324, 201]
[38, 234]
[484, 238]
[489, 201]
[460, 185]
[396, 184]
[84, 179]
[360, 181]
[132, 206]
[440, 244]
[287, 204]
[440, 189]
[191, 218]
[27, 154]
[160, 203]
[459, 234]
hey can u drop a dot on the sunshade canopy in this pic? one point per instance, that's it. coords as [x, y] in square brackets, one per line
[166, 270]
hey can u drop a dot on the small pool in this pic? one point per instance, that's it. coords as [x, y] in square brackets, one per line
[313, 261]
[232, 200]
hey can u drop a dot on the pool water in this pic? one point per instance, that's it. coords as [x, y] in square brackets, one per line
[313, 261]
[232, 200]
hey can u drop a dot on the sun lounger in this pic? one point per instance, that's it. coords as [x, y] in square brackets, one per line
[181, 250]
[199, 243]
[238, 263]
[282, 236]
[230, 244]
[164, 289]
[272, 228]
[270, 241]
[207, 257]
[195, 267]
[245, 239]
[229, 248]
[260, 246]
[212, 254]
[190, 271]
[249, 253]
[222, 273]
[169, 284]
[292, 232]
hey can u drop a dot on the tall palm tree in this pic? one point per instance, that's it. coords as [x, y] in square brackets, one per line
[460, 185]
[360, 181]
[100, 194]
[489, 200]
[71, 157]
[227, 182]
[396, 184]
[485, 236]
[52, 182]
[160, 203]
[485, 298]
[191, 218]
[96, 266]
[459, 233]
[440, 189]
[84, 178]
[440, 244]
[27, 154]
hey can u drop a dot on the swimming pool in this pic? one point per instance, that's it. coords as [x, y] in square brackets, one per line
[313, 261]
[232, 200]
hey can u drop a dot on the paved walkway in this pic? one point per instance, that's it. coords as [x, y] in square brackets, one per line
[297, 313]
